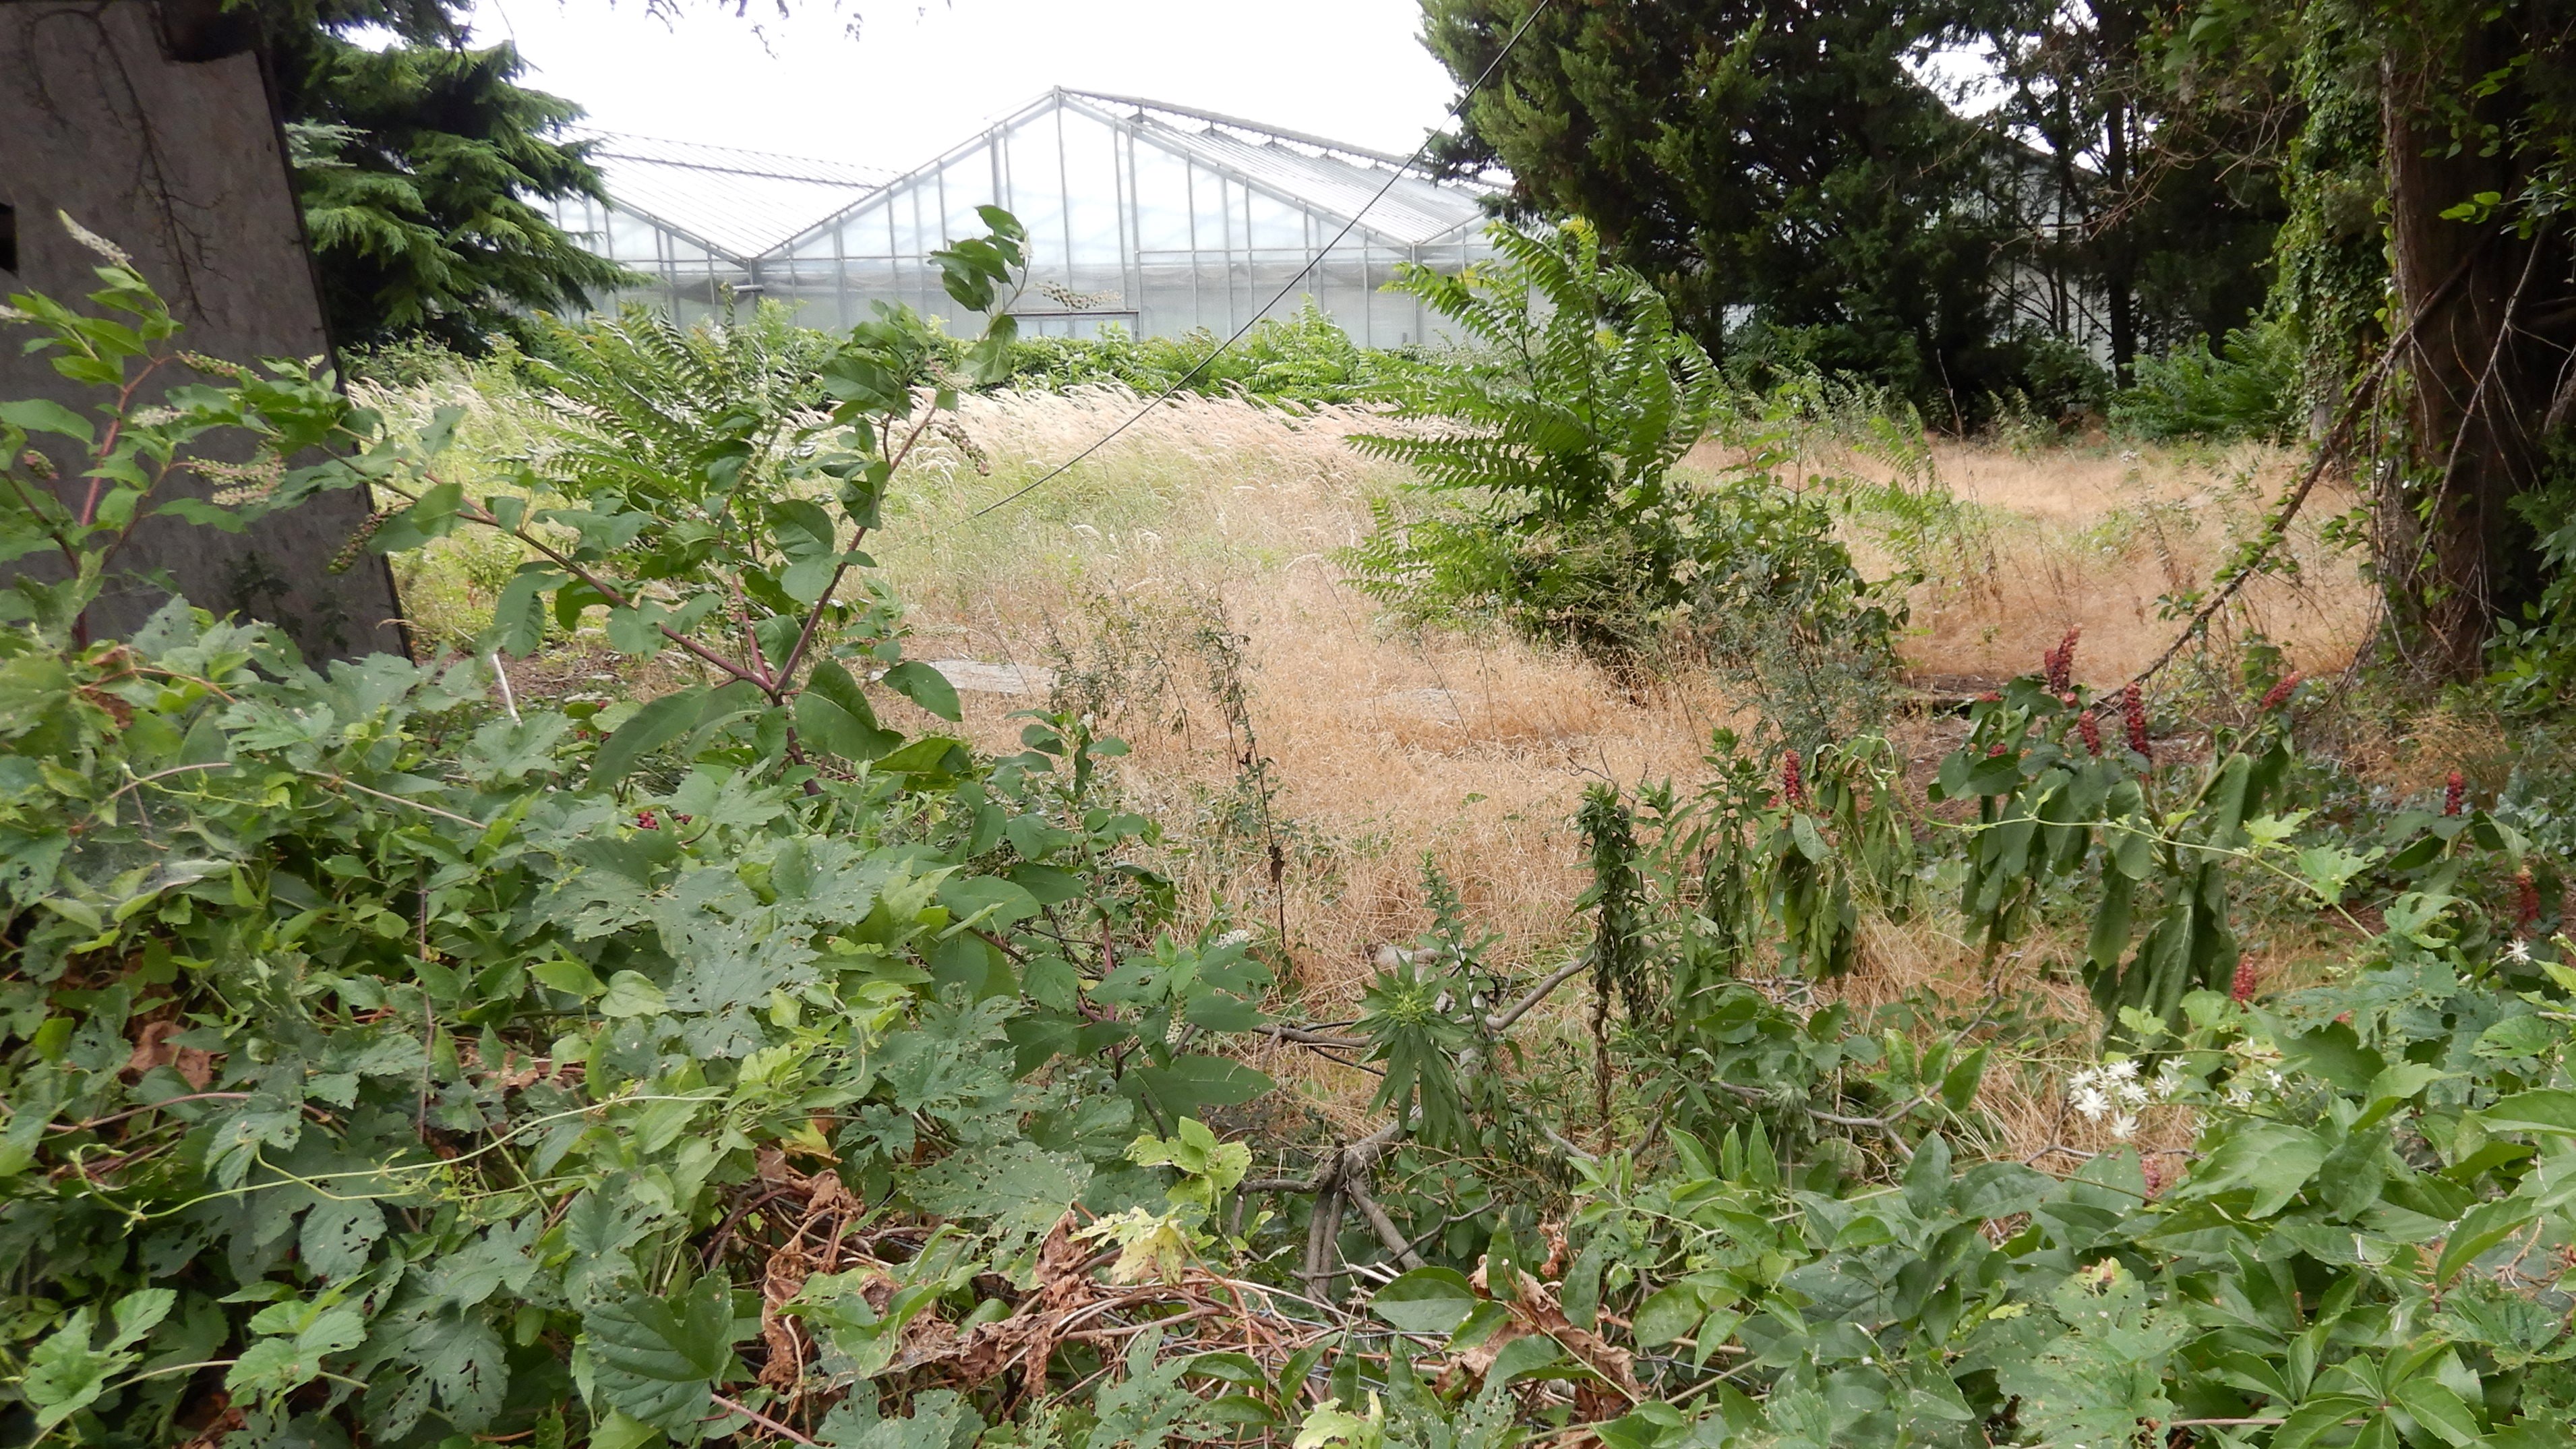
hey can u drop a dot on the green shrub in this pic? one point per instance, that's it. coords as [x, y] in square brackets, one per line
[1550, 498]
[1304, 358]
[2250, 388]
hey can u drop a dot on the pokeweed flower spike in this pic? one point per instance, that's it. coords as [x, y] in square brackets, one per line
[2526, 903]
[644, 820]
[2061, 662]
[2241, 990]
[2153, 1170]
[2454, 791]
[2133, 707]
[2279, 694]
[1793, 783]
[2091, 729]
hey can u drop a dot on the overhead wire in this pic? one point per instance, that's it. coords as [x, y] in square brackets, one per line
[1457, 108]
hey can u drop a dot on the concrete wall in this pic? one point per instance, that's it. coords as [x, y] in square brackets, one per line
[151, 125]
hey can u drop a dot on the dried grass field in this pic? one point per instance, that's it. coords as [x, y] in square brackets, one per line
[1195, 558]
[1181, 586]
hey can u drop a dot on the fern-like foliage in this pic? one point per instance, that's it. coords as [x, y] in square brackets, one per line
[1550, 494]
[1583, 397]
[642, 404]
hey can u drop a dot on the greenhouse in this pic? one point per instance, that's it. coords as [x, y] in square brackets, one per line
[1153, 218]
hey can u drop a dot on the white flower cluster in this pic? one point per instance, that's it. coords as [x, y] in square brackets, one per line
[1233, 938]
[2113, 1090]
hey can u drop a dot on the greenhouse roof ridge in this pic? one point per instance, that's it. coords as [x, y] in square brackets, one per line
[1237, 123]
[1331, 177]
[737, 202]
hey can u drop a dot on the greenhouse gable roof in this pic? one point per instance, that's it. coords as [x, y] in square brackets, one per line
[740, 203]
[1329, 176]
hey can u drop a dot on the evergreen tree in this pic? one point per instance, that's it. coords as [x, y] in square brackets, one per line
[2157, 210]
[418, 166]
[1772, 164]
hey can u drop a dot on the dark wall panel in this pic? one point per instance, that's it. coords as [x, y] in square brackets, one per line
[150, 124]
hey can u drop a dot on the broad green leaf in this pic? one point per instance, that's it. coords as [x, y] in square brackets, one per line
[2479, 1229]
[1524, 1355]
[1425, 1300]
[2336, 1055]
[658, 1359]
[2316, 1418]
[834, 714]
[37, 415]
[631, 993]
[1192, 1084]
[337, 1234]
[926, 687]
[2438, 1409]
[567, 975]
[658, 723]
[2550, 1109]
[1674, 1310]
[65, 1374]
[2273, 1159]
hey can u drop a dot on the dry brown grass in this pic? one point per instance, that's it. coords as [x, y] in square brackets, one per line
[1216, 518]
[1191, 563]
[2095, 536]
[1214, 515]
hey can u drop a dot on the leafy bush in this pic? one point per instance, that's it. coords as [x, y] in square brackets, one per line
[1303, 358]
[388, 1067]
[1550, 498]
[2250, 388]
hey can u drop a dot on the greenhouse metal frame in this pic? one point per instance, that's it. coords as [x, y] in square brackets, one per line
[1156, 219]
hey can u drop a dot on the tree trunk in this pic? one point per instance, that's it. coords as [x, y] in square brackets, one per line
[2490, 318]
[2119, 266]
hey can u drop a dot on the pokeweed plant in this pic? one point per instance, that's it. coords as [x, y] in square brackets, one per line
[715, 501]
[103, 473]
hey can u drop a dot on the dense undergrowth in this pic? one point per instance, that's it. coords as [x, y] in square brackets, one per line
[391, 1060]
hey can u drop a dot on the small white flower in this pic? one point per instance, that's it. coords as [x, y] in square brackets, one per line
[2124, 1127]
[2132, 1095]
[2083, 1079]
[2239, 1095]
[2518, 951]
[2275, 1080]
[2120, 1072]
[2091, 1103]
[1233, 938]
[2171, 1081]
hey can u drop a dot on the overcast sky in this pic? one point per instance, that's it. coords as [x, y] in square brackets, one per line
[918, 78]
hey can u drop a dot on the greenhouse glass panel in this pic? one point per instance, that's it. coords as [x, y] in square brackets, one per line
[1155, 219]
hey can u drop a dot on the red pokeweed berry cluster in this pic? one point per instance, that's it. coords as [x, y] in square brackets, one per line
[2091, 729]
[1793, 782]
[2279, 694]
[644, 820]
[2455, 792]
[2241, 990]
[2526, 902]
[2133, 709]
[2153, 1170]
[2058, 664]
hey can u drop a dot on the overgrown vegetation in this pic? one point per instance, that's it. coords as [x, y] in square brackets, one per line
[1550, 498]
[394, 1059]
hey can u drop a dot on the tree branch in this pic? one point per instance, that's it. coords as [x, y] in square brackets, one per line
[1501, 1021]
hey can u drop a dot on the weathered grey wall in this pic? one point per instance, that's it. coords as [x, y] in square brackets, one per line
[150, 124]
